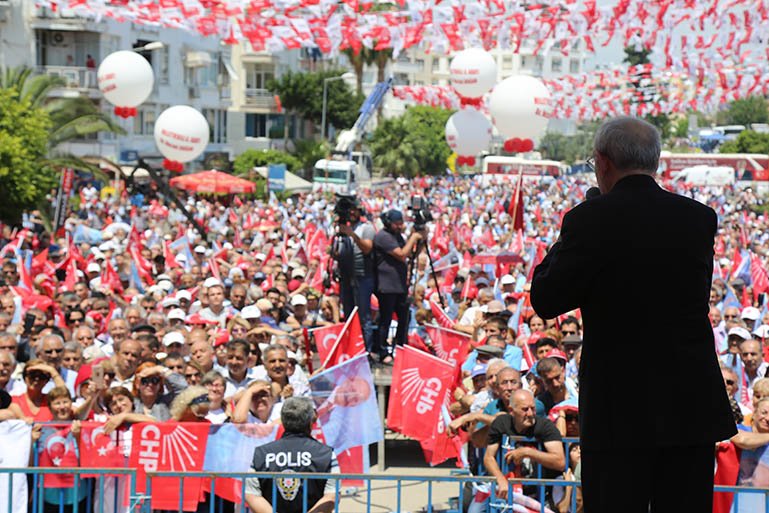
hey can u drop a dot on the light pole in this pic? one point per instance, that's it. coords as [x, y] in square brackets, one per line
[346, 76]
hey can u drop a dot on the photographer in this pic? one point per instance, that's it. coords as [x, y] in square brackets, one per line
[392, 254]
[352, 250]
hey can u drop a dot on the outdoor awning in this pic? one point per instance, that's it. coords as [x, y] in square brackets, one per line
[213, 182]
[294, 183]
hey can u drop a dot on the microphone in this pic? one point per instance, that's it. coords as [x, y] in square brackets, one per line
[592, 192]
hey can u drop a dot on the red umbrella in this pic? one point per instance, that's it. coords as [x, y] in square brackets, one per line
[213, 182]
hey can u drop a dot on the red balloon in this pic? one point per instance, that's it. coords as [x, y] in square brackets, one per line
[508, 146]
[527, 145]
[470, 161]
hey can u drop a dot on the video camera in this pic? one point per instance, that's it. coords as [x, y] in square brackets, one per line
[344, 204]
[420, 211]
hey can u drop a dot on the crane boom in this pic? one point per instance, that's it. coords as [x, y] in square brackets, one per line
[349, 138]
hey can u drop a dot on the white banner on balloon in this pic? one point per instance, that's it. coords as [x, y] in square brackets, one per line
[125, 79]
[181, 135]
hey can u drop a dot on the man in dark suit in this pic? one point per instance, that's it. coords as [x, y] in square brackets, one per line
[638, 250]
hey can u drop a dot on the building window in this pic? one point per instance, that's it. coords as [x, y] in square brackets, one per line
[420, 64]
[556, 65]
[162, 65]
[217, 125]
[574, 66]
[144, 121]
[436, 64]
[256, 125]
[507, 62]
[539, 64]
[525, 61]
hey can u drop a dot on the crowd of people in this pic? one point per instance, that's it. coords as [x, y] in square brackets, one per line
[127, 314]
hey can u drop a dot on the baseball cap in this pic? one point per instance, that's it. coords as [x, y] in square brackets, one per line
[298, 300]
[184, 294]
[260, 256]
[494, 307]
[479, 369]
[481, 281]
[751, 313]
[177, 313]
[557, 354]
[250, 312]
[490, 351]
[144, 327]
[762, 331]
[571, 340]
[169, 301]
[298, 272]
[507, 280]
[173, 337]
[181, 257]
[200, 249]
[739, 331]
[211, 282]
[259, 276]
[93, 267]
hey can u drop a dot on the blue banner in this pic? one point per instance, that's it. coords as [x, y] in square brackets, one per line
[276, 177]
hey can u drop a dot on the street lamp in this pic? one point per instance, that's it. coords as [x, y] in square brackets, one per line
[155, 45]
[346, 76]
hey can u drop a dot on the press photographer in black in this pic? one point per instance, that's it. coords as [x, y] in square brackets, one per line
[352, 250]
[392, 255]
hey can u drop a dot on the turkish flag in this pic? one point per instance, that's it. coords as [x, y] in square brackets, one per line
[515, 208]
[100, 450]
[727, 471]
[169, 257]
[353, 460]
[418, 388]
[349, 343]
[325, 338]
[395, 408]
[169, 446]
[111, 279]
[57, 449]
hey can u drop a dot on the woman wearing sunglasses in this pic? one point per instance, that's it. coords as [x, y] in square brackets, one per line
[33, 402]
[149, 388]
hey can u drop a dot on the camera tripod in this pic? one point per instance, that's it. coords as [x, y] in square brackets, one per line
[411, 271]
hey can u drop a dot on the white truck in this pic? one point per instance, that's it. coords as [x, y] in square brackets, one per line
[717, 176]
[346, 170]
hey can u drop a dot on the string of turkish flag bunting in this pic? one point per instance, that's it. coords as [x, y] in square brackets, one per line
[709, 51]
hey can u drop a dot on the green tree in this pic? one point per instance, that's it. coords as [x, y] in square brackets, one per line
[23, 143]
[747, 142]
[308, 152]
[302, 93]
[27, 171]
[569, 148]
[635, 57]
[249, 159]
[753, 109]
[413, 143]
[70, 118]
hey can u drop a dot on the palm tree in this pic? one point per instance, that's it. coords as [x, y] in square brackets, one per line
[71, 118]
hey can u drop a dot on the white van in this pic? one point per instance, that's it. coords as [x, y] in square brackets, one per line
[706, 175]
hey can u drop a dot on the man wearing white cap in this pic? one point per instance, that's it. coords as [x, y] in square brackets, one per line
[216, 311]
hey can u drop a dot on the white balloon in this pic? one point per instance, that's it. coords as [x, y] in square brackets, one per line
[181, 133]
[473, 72]
[125, 79]
[468, 132]
[520, 107]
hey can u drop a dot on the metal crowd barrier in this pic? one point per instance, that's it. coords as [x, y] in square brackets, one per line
[125, 480]
[140, 503]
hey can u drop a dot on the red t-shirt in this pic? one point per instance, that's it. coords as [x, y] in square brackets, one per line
[43, 414]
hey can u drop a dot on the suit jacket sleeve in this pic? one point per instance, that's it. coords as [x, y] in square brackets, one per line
[561, 282]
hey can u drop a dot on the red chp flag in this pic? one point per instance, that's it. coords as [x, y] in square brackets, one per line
[169, 446]
[440, 315]
[419, 384]
[449, 345]
[348, 343]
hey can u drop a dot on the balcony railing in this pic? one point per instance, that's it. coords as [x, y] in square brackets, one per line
[260, 99]
[74, 77]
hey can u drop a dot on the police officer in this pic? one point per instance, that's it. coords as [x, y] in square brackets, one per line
[298, 452]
